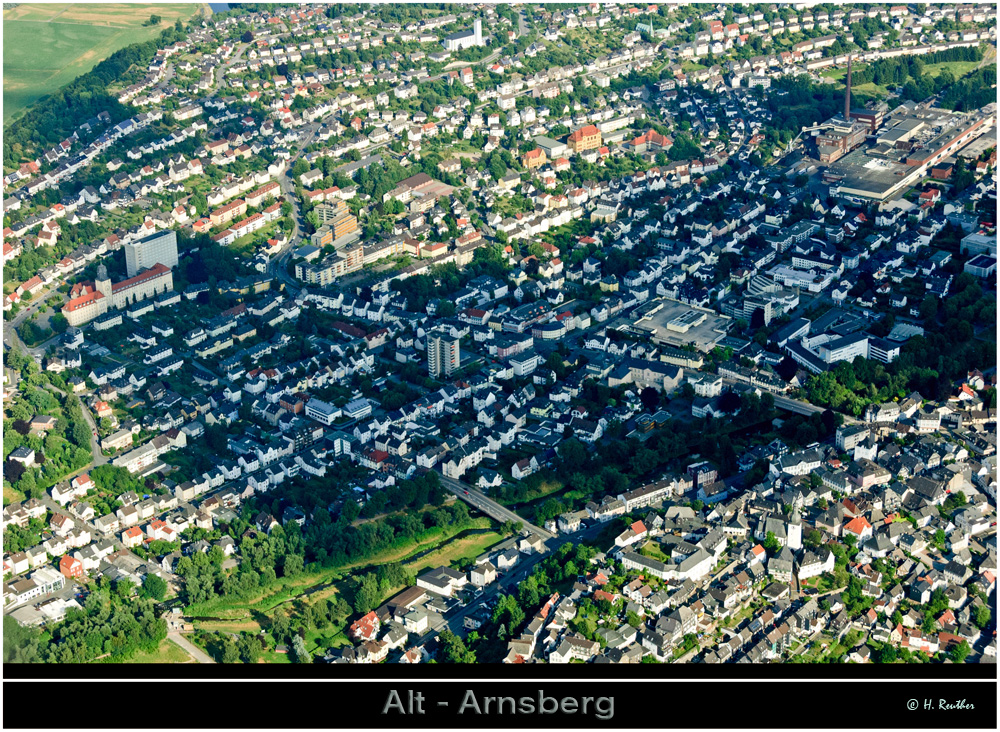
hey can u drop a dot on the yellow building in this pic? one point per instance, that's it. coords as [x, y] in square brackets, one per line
[585, 138]
[534, 158]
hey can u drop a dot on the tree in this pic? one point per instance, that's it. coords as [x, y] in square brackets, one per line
[729, 402]
[27, 483]
[771, 543]
[929, 308]
[959, 652]
[887, 654]
[154, 587]
[454, 650]
[249, 648]
[787, 368]
[367, 595]
[650, 398]
[981, 616]
[939, 539]
[299, 649]
[280, 625]
[230, 653]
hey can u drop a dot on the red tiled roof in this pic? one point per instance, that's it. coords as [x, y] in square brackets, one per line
[82, 301]
[157, 270]
[858, 525]
[588, 131]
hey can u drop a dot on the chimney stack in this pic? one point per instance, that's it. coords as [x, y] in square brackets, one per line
[847, 94]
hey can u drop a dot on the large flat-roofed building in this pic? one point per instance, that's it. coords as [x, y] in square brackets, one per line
[160, 248]
[337, 215]
[420, 185]
[910, 143]
[977, 243]
[872, 114]
[860, 176]
[322, 412]
[982, 265]
[677, 324]
[553, 148]
[820, 352]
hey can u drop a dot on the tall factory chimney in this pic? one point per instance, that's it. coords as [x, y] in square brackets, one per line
[847, 94]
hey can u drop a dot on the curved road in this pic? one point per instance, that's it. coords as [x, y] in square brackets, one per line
[95, 446]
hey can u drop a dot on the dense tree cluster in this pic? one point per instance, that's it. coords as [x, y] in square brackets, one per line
[111, 623]
[60, 450]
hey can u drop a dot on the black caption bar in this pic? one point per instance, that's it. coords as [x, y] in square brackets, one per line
[580, 704]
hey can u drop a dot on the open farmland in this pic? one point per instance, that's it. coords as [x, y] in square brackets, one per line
[47, 46]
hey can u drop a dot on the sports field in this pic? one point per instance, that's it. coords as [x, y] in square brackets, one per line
[47, 46]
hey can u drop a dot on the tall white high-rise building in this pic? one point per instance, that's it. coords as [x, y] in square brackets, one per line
[443, 355]
[160, 248]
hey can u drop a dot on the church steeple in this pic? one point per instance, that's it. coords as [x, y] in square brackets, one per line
[102, 283]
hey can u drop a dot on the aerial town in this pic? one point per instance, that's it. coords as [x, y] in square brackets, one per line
[489, 333]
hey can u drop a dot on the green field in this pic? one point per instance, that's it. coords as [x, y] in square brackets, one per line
[957, 68]
[47, 46]
[168, 652]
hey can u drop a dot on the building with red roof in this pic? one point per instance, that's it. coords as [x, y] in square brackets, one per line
[70, 567]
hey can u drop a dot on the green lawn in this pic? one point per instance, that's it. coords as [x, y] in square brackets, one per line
[168, 652]
[688, 66]
[47, 46]
[286, 589]
[652, 550]
[274, 657]
[247, 244]
[468, 547]
[11, 495]
[957, 68]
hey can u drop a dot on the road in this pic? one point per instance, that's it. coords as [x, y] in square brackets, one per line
[796, 405]
[95, 446]
[196, 653]
[800, 407]
[10, 336]
[490, 507]
[279, 265]
[455, 620]
[220, 73]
